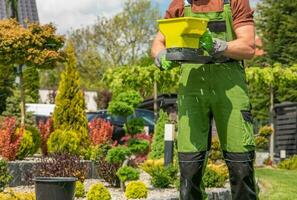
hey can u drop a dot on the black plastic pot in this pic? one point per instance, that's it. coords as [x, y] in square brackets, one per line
[55, 188]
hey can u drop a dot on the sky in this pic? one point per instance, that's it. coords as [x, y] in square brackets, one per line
[67, 14]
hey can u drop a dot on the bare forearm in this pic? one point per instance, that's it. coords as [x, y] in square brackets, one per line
[158, 45]
[239, 50]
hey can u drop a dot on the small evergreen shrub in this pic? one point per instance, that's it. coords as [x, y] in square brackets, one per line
[132, 98]
[262, 143]
[30, 143]
[11, 195]
[135, 126]
[120, 108]
[96, 152]
[127, 174]
[64, 141]
[157, 148]
[161, 176]
[265, 131]
[138, 146]
[117, 155]
[79, 189]
[136, 190]
[5, 177]
[212, 178]
[98, 192]
[290, 163]
[215, 153]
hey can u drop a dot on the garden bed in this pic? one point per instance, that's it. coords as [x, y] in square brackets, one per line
[154, 194]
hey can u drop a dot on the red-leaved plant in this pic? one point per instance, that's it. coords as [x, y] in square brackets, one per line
[100, 131]
[45, 129]
[10, 138]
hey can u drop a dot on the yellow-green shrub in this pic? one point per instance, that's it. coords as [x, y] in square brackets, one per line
[64, 141]
[136, 190]
[98, 192]
[149, 165]
[17, 196]
[290, 163]
[79, 189]
[30, 143]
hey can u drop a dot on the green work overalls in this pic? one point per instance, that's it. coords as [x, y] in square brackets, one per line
[215, 91]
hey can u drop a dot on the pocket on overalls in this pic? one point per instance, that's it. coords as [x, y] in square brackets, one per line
[248, 129]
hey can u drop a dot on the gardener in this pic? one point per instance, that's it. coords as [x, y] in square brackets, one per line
[216, 90]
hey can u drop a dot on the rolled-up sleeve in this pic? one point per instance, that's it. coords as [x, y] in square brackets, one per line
[242, 13]
[175, 9]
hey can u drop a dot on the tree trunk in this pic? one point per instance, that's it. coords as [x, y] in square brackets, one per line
[22, 91]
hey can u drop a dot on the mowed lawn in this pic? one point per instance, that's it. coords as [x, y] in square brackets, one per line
[277, 184]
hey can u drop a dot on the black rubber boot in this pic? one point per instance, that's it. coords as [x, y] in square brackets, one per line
[191, 172]
[241, 173]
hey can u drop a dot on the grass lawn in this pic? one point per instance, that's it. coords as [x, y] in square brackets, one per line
[277, 184]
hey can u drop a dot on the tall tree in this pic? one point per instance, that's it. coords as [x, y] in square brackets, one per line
[7, 78]
[123, 39]
[277, 24]
[36, 46]
[69, 113]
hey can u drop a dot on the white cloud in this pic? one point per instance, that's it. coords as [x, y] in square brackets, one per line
[68, 14]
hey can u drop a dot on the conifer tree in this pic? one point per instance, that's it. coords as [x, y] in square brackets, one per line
[69, 113]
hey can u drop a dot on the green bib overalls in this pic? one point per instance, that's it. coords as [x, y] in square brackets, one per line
[215, 91]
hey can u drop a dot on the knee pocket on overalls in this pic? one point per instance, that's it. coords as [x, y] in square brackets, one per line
[247, 129]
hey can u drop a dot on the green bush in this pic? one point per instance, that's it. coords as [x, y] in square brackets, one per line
[98, 192]
[118, 155]
[79, 189]
[262, 143]
[64, 141]
[96, 152]
[135, 126]
[5, 178]
[162, 177]
[212, 178]
[132, 98]
[30, 143]
[127, 174]
[136, 190]
[120, 108]
[157, 148]
[137, 146]
[290, 163]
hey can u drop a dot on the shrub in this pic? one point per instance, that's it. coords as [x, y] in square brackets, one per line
[69, 113]
[100, 131]
[5, 178]
[149, 165]
[215, 153]
[11, 195]
[265, 131]
[10, 139]
[118, 155]
[135, 126]
[212, 178]
[138, 146]
[96, 152]
[64, 141]
[136, 190]
[79, 189]
[30, 143]
[107, 171]
[290, 163]
[157, 149]
[132, 98]
[128, 174]
[98, 192]
[61, 165]
[120, 108]
[262, 143]
[45, 130]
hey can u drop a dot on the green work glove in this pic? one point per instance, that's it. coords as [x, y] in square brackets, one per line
[163, 63]
[215, 47]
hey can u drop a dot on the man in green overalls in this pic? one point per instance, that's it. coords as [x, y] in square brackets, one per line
[216, 90]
